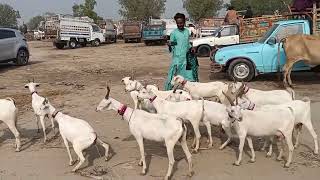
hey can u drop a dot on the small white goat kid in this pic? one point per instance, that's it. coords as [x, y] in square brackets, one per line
[76, 131]
[36, 104]
[156, 127]
[187, 110]
[199, 90]
[268, 122]
[9, 115]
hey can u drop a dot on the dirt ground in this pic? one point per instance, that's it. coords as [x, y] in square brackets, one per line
[74, 81]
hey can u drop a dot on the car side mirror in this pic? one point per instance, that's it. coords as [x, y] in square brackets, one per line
[272, 41]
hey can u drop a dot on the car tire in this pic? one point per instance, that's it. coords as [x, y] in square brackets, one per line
[22, 57]
[241, 70]
[96, 43]
[73, 44]
[59, 45]
[204, 51]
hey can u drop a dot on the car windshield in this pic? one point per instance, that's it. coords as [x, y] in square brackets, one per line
[217, 31]
[268, 33]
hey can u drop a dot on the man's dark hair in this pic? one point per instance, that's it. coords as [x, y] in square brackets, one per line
[179, 15]
[230, 8]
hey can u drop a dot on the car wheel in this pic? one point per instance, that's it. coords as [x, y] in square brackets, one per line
[73, 44]
[204, 51]
[96, 43]
[22, 57]
[59, 45]
[241, 70]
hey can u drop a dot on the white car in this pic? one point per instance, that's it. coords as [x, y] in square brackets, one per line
[223, 36]
[13, 47]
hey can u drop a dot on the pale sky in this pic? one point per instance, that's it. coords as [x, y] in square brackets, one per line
[104, 8]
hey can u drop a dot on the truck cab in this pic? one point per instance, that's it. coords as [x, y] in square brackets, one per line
[245, 61]
[223, 36]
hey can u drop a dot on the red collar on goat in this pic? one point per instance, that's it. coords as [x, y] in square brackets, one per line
[122, 110]
[184, 82]
[152, 99]
[246, 89]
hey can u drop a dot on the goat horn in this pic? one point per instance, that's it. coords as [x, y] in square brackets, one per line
[33, 79]
[229, 99]
[108, 92]
[175, 89]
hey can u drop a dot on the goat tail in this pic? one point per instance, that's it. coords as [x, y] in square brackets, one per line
[292, 92]
[278, 58]
[184, 129]
[11, 99]
[106, 146]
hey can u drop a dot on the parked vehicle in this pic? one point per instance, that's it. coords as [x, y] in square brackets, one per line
[78, 31]
[109, 30]
[132, 31]
[244, 62]
[207, 26]
[154, 32]
[13, 47]
[38, 35]
[171, 26]
[249, 30]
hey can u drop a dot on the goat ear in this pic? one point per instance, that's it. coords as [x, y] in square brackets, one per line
[26, 86]
[32, 79]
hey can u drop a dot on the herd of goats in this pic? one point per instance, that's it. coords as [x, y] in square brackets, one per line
[241, 111]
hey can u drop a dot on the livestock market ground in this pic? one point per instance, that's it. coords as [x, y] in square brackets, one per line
[74, 81]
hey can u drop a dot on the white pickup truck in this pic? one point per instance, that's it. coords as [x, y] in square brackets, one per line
[74, 31]
[224, 36]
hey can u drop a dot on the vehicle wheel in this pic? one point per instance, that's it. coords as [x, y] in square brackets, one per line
[241, 70]
[96, 43]
[59, 45]
[73, 44]
[204, 51]
[22, 57]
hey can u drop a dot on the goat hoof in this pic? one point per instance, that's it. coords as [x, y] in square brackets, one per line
[279, 159]
[287, 165]
[143, 173]
[190, 174]
[18, 150]
[262, 149]
[195, 151]
[252, 161]
[71, 163]
[140, 163]
[316, 152]
[268, 155]
[236, 163]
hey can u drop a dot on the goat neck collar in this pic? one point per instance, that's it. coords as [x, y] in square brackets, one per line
[122, 110]
[55, 113]
[246, 89]
[34, 92]
[152, 99]
[251, 106]
[184, 82]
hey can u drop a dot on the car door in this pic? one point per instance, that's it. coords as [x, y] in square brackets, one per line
[227, 36]
[7, 44]
[270, 51]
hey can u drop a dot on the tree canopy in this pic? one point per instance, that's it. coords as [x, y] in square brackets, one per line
[34, 22]
[8, 16]
[198, 9]
[141, 9]
[86, 9]
[260, 7]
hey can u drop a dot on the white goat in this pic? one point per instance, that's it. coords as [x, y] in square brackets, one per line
[268, 122]
[199, 90]
[156, 127]
[9, 115]
[302, 114]
[175, 95]
[36, 104]
[76, 131]
[187, 110]
[261, 98]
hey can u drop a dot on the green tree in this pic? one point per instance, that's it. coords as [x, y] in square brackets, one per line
[141, 9]
[198, 9]
[34, 22]
[259, 7]
[8, 16]
[86, 9]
